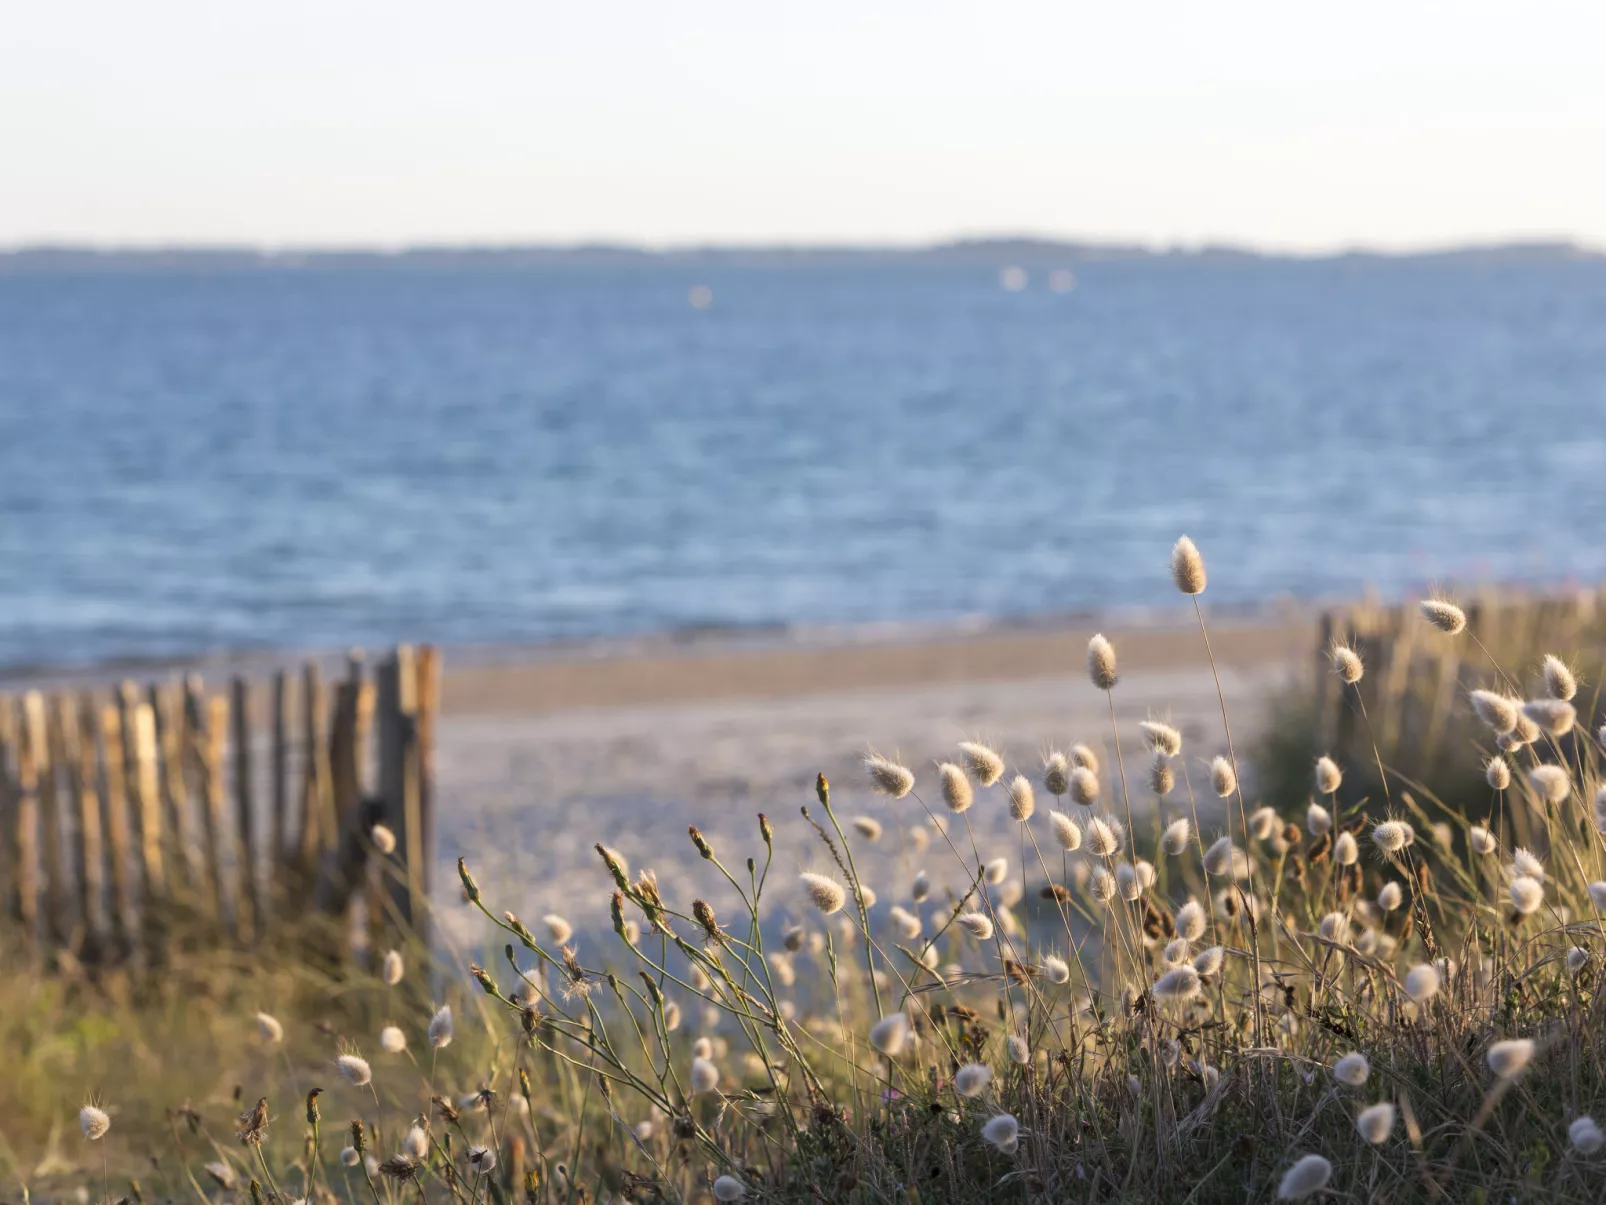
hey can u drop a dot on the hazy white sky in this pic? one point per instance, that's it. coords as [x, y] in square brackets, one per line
[1287, 125]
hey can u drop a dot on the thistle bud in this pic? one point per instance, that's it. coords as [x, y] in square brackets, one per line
[701, 842]
[471, 889]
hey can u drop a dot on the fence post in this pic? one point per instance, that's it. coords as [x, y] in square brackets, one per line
[399, 781]
[78, 726]
[245, 808]
[26, 906]
[10, 862]
[119, 851]
[318, 830]
[167, 708]
[36, 733]
[216, 733]
[280, 856]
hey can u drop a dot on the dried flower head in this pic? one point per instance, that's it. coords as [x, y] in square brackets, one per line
[1422, 982]
[400, 1168]
[1162, 737]
[1390, 896]
[1101, 663]
[977, 924]
[1376, 1123]
[1560, 682]
[1066, 831]
[1223, 778]
[1345, 850]
[1187, 567]
[888, 777]
[1225, 858]
[1523, 862]
[415, 1142]
[1179, 983]
[1003, 1131]
[972, 1079]
[1585, 1136]
[1550, 783]
[94, 1122]
[1496, 710]
[1127, 881]
[1309, 1175]
[1527, 894]
[1328, 776]
[1103, 837]
[1022, 800]
[1162, 778]
[1391, 836]
[1510, 1058]
[481, 1160]
[1553, 717]
[392, 1040]
[890, 1034]
[354, 1069]
[956, 792]
[1019, 1052]
[1102, 884]
[1056, 774]
[1176, 836]
[1481, 840]
[1318, 819]
[981, 761]
[1084, 786]
[392, 968]
[1263, 823]
[825, 893]
[1352, 1069]
[1445, 616]
[1497, 773]
[440, 1027]
[704, 1075]
[995, 871]
[1190, 921]
[1055, 969]
[1208, 961]
[1347, 664]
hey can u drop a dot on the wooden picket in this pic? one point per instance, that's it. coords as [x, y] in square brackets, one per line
[135, 816]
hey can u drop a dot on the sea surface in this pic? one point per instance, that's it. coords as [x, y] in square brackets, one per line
[195, 461]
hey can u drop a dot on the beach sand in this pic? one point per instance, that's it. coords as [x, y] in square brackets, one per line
[542, 755]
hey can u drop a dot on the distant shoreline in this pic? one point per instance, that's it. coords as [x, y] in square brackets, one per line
[43, 259]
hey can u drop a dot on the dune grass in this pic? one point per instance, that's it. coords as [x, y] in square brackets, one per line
[1383, 999]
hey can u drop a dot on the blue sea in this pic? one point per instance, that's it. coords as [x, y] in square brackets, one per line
[318, 457]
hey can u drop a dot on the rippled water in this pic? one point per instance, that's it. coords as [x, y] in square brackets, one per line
[317, 458]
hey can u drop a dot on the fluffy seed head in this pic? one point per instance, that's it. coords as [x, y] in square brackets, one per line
[1101, 663]
[1162, 738]
[1056, 774]
[1577, 959]
[384, 840]
[1524, 862]
[1102, 837]
[1390, 896]
[1019, 1052]
[1003, 1131]
[1262, 823]
[1481, 840]
[1559, 680]
[919, 887]
[729, 1188]
[354, 1069]
[1223, 857]
[93, 1122]
[972, 1079]
[1208, 961]
[1497, 711]
[1352, 1069]
[1554, 717]
[1175, 838]
[824, 892]
[981, 761]
[888, 777]
[890, 1034]
[1392, 836]
[1527, 894]
[415, 1142]
[978, 924]
[350, 1156]
[1511, 1057]
[1022, 800]
[1179, 983]
[1345, 850]
[1223, 778]
[908, 924]
[1084, 786]
[1422, 982]
[1056, 969]
[1585, 1136]
[1497, 773]
[1102, 884]
[481, 1159]
[704, 1075]
[441, 1027]
[270, 1029]
[1376, 1123]
[1597, 896]
[1066, 831]
[956, 792]
[1162, 778]
[391, 969]
[1190, 921]
[1127, 881]
[1445, 616]
[1347, 664]
[996, 871]
[1187, 567]
[1328, 775]
[392, 1040]
[1309, 1175]
[867, 827]
[1317, 819]
[1083, 755]
[558, 928]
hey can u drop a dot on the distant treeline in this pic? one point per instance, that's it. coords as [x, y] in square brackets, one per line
[994, 252]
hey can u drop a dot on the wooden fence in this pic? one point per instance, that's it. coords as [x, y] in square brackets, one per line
[142, 819]
[1415, 687]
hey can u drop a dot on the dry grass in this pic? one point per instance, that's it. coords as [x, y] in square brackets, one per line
[1134, 1063]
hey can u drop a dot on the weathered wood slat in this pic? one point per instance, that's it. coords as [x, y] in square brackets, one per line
[245, 817]
[224, 902]
[79, 725]
[119, 840]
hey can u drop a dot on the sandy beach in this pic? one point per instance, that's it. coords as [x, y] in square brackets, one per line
[542, 755]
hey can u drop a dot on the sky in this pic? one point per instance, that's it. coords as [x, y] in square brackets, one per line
[1284, 126]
